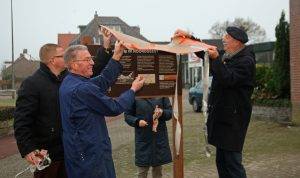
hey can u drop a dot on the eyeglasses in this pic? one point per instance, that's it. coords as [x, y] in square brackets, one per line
[87, 59]
[61, 56]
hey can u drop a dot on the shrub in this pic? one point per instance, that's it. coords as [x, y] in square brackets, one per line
[6, 113]
[281, 65]
[274, 83]
[264, 87]
[265, 93]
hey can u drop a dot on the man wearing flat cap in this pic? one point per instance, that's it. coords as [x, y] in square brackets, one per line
[229, 104]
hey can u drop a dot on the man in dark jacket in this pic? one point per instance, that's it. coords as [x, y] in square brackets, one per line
[148, 117]
[37, 116]
[230, 107]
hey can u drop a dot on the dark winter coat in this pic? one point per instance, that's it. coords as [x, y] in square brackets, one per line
[37, 116]
[230, 100]
[151, 148]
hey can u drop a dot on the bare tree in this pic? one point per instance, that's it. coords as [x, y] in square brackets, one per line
[255, 32]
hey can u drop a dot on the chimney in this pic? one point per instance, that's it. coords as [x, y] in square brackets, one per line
[24, 51]
[96, 14]
[81, 28]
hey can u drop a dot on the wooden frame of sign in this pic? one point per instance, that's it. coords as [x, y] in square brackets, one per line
[178, 169]
[160, 71]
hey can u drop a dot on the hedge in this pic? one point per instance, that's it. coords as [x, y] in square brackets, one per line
[6, 113]
[272, 102]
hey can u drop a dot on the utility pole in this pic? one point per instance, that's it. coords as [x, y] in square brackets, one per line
[12, 48]
[12, 51]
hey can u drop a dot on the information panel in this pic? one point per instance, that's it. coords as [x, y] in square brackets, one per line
[159, 69]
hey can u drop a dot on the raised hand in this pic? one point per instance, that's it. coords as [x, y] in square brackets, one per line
[106, 37]
[119, 49]
[180, 32]
[213, 53]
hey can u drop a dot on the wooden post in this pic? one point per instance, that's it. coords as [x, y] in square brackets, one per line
[178, 159]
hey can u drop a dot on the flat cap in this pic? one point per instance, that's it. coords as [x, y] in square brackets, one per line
[237, 33]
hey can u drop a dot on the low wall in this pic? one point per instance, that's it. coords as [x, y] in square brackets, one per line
[277, 114]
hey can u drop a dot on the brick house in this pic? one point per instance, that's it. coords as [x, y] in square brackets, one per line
[25, 65]
[88, 34]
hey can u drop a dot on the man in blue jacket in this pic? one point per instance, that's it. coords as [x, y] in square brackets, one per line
[83, 103]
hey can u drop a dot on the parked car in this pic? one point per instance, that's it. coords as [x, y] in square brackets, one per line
[196, 95]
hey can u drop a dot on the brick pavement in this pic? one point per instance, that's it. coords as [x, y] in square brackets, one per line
[8, 146]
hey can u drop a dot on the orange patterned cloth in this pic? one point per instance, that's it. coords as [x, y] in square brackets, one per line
[178, 45]
[156, 115]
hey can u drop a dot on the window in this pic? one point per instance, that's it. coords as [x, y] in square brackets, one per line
[115, 27]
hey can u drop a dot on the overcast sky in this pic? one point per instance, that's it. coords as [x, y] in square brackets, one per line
[37, 22]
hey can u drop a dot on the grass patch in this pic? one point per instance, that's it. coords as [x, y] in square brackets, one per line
[264, 140]
[7, 102]
[265, 137]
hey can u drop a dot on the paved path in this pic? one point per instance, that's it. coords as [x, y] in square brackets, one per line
[8, 146]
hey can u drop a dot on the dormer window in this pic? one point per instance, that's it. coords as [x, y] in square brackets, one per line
[115, 27]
